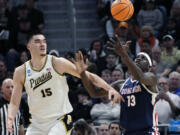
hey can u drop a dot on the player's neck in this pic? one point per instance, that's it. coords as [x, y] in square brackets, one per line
[38, 63]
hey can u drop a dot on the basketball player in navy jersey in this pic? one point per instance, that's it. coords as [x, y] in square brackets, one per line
[138, 116]
[47, 90]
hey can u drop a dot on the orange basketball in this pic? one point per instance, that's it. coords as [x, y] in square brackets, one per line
[122, 10]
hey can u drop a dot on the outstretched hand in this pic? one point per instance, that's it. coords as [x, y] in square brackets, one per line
[115, 96]
[117, 46]
[79, 62]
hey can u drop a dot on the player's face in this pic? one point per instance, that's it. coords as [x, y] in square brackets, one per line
[7, 88]
[38, 45]
[142, 62]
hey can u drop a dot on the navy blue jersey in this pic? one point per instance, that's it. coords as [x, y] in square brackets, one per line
[137, 112]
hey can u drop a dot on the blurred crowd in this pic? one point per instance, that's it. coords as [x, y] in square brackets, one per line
[154, 29]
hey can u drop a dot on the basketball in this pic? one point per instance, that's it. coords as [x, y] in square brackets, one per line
[122, 10]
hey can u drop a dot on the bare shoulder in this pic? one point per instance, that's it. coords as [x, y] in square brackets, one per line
[19, 74]
[59, 60]
[62, 65]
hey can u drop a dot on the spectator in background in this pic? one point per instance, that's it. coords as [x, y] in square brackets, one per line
[114, 128]
[103, 9]
[153, 69]
[106, 75]
[171, 27]
[96, 50]
[150, 16]
[146, 47]
[170, 54]
[4, 26]
[104, 112]
[97, 54]
[17, 25]
[35, 15]
[3, 71]
[24, 56]
[103, 129]
[117, 74]
[174, 83]
[147, 33]
[7, 87]
[24, 29]
[122, 31]
[168, 104]
[111, 59]
[163, 68]
[82, 106]
[175, 13]
[81, 127]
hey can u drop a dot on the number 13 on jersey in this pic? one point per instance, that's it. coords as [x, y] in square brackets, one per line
[131, 100]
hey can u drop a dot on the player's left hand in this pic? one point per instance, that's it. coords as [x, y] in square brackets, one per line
[117, 46]
[81, 66]
[10, 124]
[115, 96]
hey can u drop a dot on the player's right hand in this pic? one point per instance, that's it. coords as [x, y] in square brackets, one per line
[115, 96]
[10, 124]
[118, 46]
[81, 66]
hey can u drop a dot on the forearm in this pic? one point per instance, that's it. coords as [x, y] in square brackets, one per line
[90, 88]
[174, 109]
[133, 68]
[97, 81]
[14, 105]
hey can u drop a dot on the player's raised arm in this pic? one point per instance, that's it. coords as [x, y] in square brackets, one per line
[62, 66]
[18, 80]
[88, 83]
[136, 67]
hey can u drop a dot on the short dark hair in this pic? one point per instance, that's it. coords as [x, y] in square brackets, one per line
[33, 33]
[114, 123]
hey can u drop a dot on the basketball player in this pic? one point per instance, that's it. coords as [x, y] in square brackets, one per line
[138, 115]
[47, 89]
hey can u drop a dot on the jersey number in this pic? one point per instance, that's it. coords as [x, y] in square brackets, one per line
[131, 100]
[46, 92]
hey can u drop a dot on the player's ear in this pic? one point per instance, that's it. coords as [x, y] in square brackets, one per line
[28, 46]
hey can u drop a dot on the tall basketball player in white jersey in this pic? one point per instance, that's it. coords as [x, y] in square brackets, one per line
[47, 89]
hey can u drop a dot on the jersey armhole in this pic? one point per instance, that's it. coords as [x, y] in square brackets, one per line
[24, 73]
[53, 65]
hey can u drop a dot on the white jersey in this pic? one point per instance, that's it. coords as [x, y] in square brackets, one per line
[47, 92]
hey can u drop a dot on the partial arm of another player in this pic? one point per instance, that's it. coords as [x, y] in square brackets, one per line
[90, 87]
[81, 69]
[18, 79]
[64, 66]
[121, 50]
